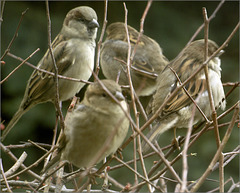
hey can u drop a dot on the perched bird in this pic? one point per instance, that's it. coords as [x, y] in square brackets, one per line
[148, 60]
[179, 110]
[95, 128]
[74, 50]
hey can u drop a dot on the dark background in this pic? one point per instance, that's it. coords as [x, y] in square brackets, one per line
[170, 23]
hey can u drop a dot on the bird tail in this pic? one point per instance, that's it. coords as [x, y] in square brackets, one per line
[13, 121]
[156, 131]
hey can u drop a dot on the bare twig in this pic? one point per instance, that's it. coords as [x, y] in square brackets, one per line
[210, 95]
[57, 101]
[135, 172]
[15, 35]
[48, 175]
[184, 152]
[129, 64]
[18, 163]
[188, 79]
[234, 185]
[4, 176]
[38, 146]
[142, 161]
[234, 86]
[231, 84]
[47, 72]
[135, 158]
[216, 156]
[202, 26]
[11, 73]
[10, 154]
[190, 97]
[180, 154]
[141, 27]
[31, 166]
[214, 114]
[1, 16]
[27, 145]
[101, 37]
[19, 183]
[228, 157]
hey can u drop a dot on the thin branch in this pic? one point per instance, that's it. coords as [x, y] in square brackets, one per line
[10, 154]
[184, 152]
[211, 100]
[18, 163]
[15, 35]
[142, 161]
[57, 100]
[47, 72]
[15, 69]
[132, 91]
[48, 175]
[231, 84]
[141, 27]
[135, 172]
[38, 146]
[31, 166]
[216, 156]
[27, 144]
[190, 97]
[135, 157]
[228, 157]
[234, 86]
[214, 114]
[202, 26]
[101, 37]
[32, 184]
[1, 16]
[180, 154]
[4, 176]
[188, 79]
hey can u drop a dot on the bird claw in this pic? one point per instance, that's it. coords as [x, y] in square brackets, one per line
[175, 142]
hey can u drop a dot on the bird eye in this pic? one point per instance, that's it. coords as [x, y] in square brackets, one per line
[104, 95]
[81, 19]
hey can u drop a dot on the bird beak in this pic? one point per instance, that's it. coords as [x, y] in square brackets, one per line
[220, 53]
[119, 96]
[93, 24]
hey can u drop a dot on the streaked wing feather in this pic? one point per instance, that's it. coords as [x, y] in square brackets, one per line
[181, 100]
[41, 81]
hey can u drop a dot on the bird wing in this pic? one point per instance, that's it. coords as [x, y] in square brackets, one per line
[41, 82]
[196, 86]
[182, 100]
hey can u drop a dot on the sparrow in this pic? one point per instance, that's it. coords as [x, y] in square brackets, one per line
[96, 125]
[147, 63]
[179, 110]
[73, 50]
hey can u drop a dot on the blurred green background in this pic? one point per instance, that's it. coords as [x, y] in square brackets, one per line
[170, 23]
